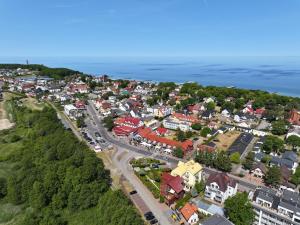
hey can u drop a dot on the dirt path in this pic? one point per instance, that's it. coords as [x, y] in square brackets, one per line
[4, 121]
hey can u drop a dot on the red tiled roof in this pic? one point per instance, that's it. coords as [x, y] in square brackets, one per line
[132, 120]
[173, 182]
[162, 130]
[123, 130]
[188, 210]
[149, 135]
[259, 111]
[183, 117]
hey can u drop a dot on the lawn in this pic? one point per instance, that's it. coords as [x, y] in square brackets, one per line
[226, 140]
[33, 104]
[149, 175]
[10, 214]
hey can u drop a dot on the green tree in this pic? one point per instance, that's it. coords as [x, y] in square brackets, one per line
[200, 186]
[37, 196]
[178, 152]
[3, 187]
[196, 126]
[273, 176]
[222, 161]
[13, 191]
[80, 122]
[180, 135]
[205, 131]
[210, 106]
[279, 127]
[296, 176]
[294, 141]
[273, 144]
[248, 162]
[109, 123]
[235, 158]
[239, 209]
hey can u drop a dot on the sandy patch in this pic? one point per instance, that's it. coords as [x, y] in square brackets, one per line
[225, 140]
[5, 124]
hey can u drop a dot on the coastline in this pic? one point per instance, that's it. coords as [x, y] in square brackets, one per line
[271, 74]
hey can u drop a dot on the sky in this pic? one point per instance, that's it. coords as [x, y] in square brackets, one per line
[150, 28]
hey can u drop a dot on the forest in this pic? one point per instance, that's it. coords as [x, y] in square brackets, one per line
[48, 177]
[56, 73]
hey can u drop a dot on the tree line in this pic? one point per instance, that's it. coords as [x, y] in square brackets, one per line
[55, 175]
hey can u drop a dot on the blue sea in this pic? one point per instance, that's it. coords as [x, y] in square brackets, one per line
[273, 74]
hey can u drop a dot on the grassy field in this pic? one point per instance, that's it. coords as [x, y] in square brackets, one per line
[33, 104]
[226, 140]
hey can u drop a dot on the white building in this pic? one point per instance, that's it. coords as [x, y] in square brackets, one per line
[220, 186]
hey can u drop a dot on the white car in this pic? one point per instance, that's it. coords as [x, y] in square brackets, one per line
[98, 148]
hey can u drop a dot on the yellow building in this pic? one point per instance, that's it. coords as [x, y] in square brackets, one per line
[190, 172]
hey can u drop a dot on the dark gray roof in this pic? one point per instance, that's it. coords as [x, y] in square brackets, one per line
[241, 143]
[258, 156]
[288, 199]
[290, 155]
[217, 220]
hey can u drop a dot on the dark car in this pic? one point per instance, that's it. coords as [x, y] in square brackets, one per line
[133, 192]
[154, 221]
[97, 134]
[149, 216]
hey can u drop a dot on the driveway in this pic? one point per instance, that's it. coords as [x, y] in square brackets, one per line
[121, 160]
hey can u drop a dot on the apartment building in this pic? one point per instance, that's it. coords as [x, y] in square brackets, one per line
[275, 208]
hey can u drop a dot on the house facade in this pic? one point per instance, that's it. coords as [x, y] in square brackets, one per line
[190, 172]
[171, 188]
[219, 187]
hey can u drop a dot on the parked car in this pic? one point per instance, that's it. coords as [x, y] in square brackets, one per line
[154, 221]
[133, 192]
[149, 216]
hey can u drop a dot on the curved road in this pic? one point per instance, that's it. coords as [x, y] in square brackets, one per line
[95, 115]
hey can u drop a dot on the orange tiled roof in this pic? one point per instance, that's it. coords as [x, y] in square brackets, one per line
[188, 210]
[149, 135]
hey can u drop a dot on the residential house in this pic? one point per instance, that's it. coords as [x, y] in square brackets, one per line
[72, 112]
[294, 131]
[258, 170]
[79, 87]
[174, 125]
[189, 213]
[190, 172]
[161, 111]
[216, 219]
[288, 159]
[161, 131]
[171, 188]
[209, 147]
[126, 126]
[206, 208]
[207, 114]
[148, 135]
[225, 113]
[150, 122]
[295, 117]
[220, 186]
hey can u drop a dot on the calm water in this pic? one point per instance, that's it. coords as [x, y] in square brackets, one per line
[272, 74]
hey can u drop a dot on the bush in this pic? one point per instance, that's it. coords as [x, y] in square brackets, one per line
[205, 131]
[235, 158]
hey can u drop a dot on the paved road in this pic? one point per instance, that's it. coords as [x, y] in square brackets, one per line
[94, 114]
[121, 160]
